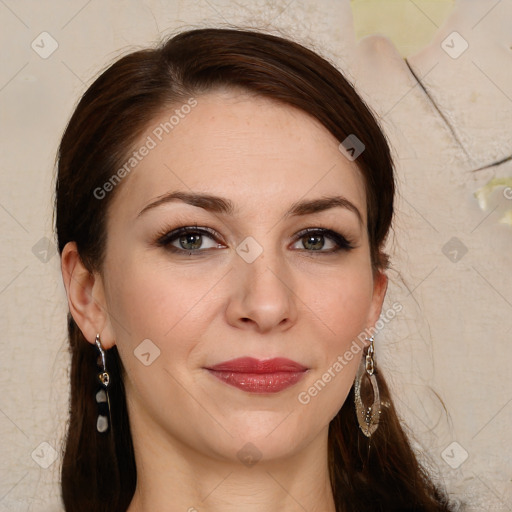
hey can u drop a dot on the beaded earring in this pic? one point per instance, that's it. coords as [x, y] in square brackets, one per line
[102, 400]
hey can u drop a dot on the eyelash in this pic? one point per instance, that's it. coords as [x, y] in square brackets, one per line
[165, 237]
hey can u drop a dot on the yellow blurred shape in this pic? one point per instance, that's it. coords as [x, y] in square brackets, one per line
[410, 24]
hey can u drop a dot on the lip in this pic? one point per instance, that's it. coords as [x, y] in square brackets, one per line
[259, 376]
[252, 365]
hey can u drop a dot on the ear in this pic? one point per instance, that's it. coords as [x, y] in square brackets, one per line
[380, 286]
[86, 297]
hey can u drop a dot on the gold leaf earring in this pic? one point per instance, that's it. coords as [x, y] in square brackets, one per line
[368, 416]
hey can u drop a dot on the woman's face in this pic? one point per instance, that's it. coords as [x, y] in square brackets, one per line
[243, 282]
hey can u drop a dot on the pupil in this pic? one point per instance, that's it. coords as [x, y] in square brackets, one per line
[314, 245]
[189, 238]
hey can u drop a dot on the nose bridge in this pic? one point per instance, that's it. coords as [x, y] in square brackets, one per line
[264, 267]
[264, 287]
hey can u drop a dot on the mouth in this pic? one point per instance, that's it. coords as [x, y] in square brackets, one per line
[259, 376]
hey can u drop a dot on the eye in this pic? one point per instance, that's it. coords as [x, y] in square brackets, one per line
[313, 240]
[189, 239]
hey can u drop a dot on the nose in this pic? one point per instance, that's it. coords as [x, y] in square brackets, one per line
[262, 298]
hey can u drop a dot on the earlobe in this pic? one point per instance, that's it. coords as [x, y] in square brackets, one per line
[86, 297]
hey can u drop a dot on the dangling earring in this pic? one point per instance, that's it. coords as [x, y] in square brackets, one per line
[103, 420]
[367, 416]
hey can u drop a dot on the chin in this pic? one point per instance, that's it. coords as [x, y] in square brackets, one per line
[263, 435]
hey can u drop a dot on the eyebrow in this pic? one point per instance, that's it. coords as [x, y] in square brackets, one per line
[225, 206]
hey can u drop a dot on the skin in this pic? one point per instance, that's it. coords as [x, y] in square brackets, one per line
[202, 309]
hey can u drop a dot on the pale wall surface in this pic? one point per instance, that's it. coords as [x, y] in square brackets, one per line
[453, 335]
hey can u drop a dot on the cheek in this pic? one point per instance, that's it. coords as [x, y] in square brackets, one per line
[158, 318]
[342, 307]
[171, 309]
[154, 301]
[343, 302]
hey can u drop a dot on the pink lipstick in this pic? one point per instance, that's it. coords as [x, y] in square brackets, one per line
[257, 376]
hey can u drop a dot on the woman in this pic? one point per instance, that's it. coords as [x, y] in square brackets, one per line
[222, 204]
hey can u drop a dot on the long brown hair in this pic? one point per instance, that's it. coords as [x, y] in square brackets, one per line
[98, 471]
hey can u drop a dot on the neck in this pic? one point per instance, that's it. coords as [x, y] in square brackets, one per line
[174, 477]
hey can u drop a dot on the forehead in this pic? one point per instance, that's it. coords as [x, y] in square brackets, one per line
[254, 150]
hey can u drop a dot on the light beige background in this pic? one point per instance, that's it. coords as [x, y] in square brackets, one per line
[453, 334]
